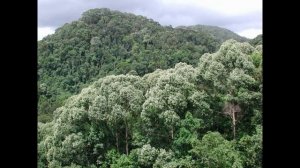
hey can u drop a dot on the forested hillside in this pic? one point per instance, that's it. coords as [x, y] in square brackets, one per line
[258, 40]
[207, 115]
[218, 33]
[105, 42]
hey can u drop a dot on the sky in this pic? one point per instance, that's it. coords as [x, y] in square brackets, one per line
[243, 17]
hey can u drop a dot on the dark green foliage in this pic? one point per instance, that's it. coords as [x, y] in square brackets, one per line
[258, 40]
[251, 148]
[104, 42]
[168, 118]
[215, 151]
[188, 134]
[219, 33]
[206, 115]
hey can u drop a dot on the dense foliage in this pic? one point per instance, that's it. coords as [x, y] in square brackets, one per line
[258, 40]
[219, 33]
[105, 42]
[209, 115]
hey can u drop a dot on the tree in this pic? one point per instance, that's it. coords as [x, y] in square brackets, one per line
[188, 133]
[118, 103]
[163, 158]
[166, 102]
[230, 73]
[258, 40]
[171, 119]
[251, 148]
[214, 151]
[232, 110]
[123, 161]
[147, 155]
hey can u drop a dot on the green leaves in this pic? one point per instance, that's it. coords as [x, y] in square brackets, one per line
[123, 161]
[106, 42]
[251, 148]
[147, 155]
[230, 75]
[170, 118]
[214, 151]
[163, 159]
[166, 119]
[188, 133]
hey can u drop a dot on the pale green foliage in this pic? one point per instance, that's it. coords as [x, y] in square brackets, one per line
[83, 100]
[232, 58]
[95, 41]
[259, 48]
[117, 99]
[185, 162]
[170, 118]
[147, 155]
[152, 78]
[199, 100]
[98, 110]
[163, 159]
[216, 72]
[237, 77]
[54, 164]
[239, 85]
[72, 146]
[231, 76]
[44, 130]
[73, 166]
[168, 99]
[166, 119]
[66, 143]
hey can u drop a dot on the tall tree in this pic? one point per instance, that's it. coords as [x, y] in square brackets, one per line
[119, 103]
[230, 72]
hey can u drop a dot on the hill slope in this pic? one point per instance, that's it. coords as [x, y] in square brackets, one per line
[104, 42]
[219, 33]
[258, 40]
[209, 115]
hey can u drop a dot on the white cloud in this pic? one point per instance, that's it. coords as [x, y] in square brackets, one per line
[227, 7]
[236, 15]
[250, 33]
[44, 31]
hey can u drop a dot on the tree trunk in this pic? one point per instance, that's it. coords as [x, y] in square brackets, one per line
[126, 137]
[172, 133]
[117, 141]
[232, 109]
[233, 123]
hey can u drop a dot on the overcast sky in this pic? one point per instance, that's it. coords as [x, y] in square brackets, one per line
[241, 16]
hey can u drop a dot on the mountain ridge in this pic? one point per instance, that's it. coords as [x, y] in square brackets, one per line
[104, 42]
